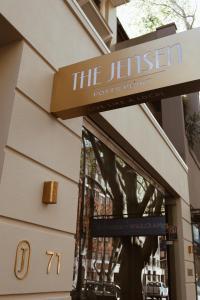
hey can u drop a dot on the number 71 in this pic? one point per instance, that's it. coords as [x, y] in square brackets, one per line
[57, 256]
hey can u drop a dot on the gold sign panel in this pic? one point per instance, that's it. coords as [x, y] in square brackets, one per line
[154, 70]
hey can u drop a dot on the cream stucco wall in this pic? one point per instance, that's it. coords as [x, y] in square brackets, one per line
[39, 148]
[50, 27]
[194, 173]
[9, 67]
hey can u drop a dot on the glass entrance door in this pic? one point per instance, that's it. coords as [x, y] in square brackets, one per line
[125, 262]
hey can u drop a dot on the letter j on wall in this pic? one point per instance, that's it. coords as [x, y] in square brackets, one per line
[154, 70]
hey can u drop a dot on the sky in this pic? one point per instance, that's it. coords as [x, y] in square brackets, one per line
[131, 17]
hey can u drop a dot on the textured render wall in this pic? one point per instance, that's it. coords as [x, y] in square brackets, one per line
[194, 175]
[9, 67]
[51, 28]
[40, 148]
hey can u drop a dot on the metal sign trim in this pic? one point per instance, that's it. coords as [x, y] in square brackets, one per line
[154, 70]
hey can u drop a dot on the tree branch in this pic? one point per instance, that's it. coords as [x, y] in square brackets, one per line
[96, 149]
[130, 188]
[151, 243]
[177, 10]
[113, 260]
[107, 165]
[147, 196]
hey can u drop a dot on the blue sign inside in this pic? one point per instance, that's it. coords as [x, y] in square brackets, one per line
[144, 226]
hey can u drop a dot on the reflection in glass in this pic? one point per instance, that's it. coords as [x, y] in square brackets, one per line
[125, 266]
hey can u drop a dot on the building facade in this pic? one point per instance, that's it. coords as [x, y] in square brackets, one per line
[37, 239]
